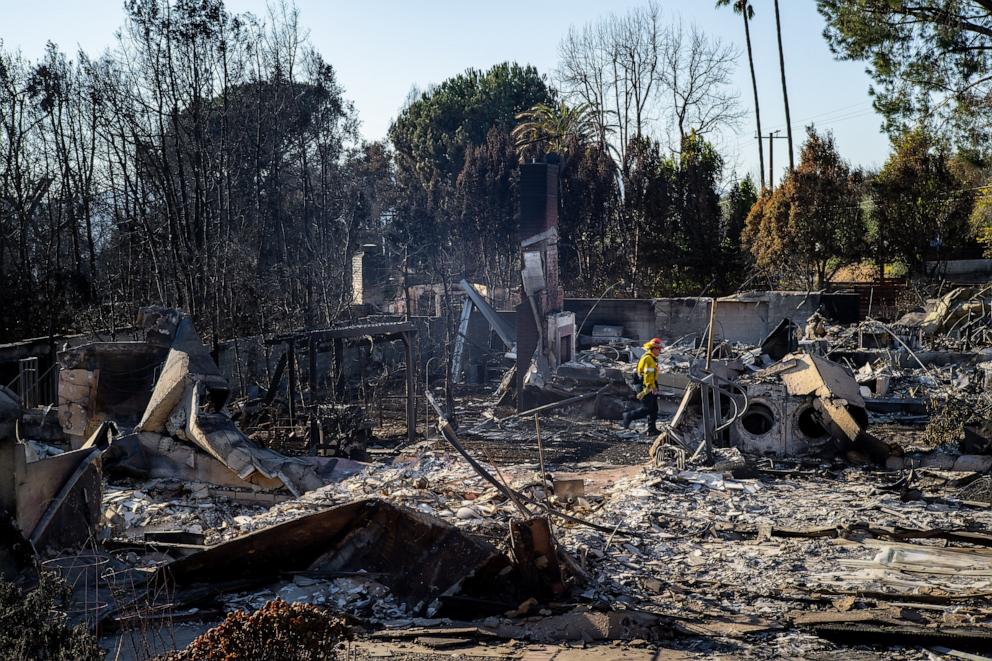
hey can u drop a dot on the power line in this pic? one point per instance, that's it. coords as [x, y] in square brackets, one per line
[843, 114]
[954, 195]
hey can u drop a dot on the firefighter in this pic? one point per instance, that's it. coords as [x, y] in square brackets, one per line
[647, 370]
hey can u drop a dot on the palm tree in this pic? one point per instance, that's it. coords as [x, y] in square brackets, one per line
[744, 9]
[785, 91]
[559, 129]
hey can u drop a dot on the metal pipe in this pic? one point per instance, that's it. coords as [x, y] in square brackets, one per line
[552, 405]
[709, 335]
[427, 405]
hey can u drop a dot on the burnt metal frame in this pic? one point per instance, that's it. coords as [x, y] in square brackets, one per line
[403, 330]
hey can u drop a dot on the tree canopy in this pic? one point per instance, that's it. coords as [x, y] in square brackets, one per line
[931, 60]
[441, 139]
[812, 224]
[921, 205]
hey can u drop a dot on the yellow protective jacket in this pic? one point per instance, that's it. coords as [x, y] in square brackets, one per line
[647, 369]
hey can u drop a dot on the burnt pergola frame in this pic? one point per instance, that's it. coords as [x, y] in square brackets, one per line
[333, 339]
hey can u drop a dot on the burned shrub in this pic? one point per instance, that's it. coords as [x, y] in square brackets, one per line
[949, 418]
[34, 625]
[275, 632]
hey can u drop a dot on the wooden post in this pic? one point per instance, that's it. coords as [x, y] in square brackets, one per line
[291, 364]
[315, 439]
[411, 388]
[338, 368]
[28, 381]
[312, 376]
[276, 379]
[536, 554]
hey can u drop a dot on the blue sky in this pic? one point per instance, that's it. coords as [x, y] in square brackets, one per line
[383, 48]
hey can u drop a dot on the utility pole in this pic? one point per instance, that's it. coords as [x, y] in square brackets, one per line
[771, 159]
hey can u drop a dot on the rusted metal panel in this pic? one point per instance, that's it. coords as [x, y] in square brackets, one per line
[537, 556]
[417, 556]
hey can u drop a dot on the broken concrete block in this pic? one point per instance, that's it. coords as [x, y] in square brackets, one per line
[160, 324]
[804, 374]
[54, 501]
[119, 375]
[187, 365]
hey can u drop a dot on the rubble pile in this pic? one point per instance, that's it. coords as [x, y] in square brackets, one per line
[823, 492]
[692, 546]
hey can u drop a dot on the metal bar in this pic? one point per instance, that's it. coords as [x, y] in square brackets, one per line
[709, 335]
[449, 434]
[717, 411]
[552, 405]
[459, 352]
[540, 454]
[904, 345]
[705, 393]
[506, 333]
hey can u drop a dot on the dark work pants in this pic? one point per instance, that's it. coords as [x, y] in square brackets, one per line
[649, 410]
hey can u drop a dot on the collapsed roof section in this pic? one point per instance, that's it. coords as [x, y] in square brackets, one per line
[186, 404]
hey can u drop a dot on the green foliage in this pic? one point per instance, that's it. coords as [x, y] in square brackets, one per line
[34, 627]
[981, 221]
[696, 205]
[812, 224]
[648, 231]
[737, 204]
[739, 6]
[975, 174]
[437, 140]
[561, 129]
[672, 219]
[920, 205]
[432, 133]
[929, 59]
[591, 240]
